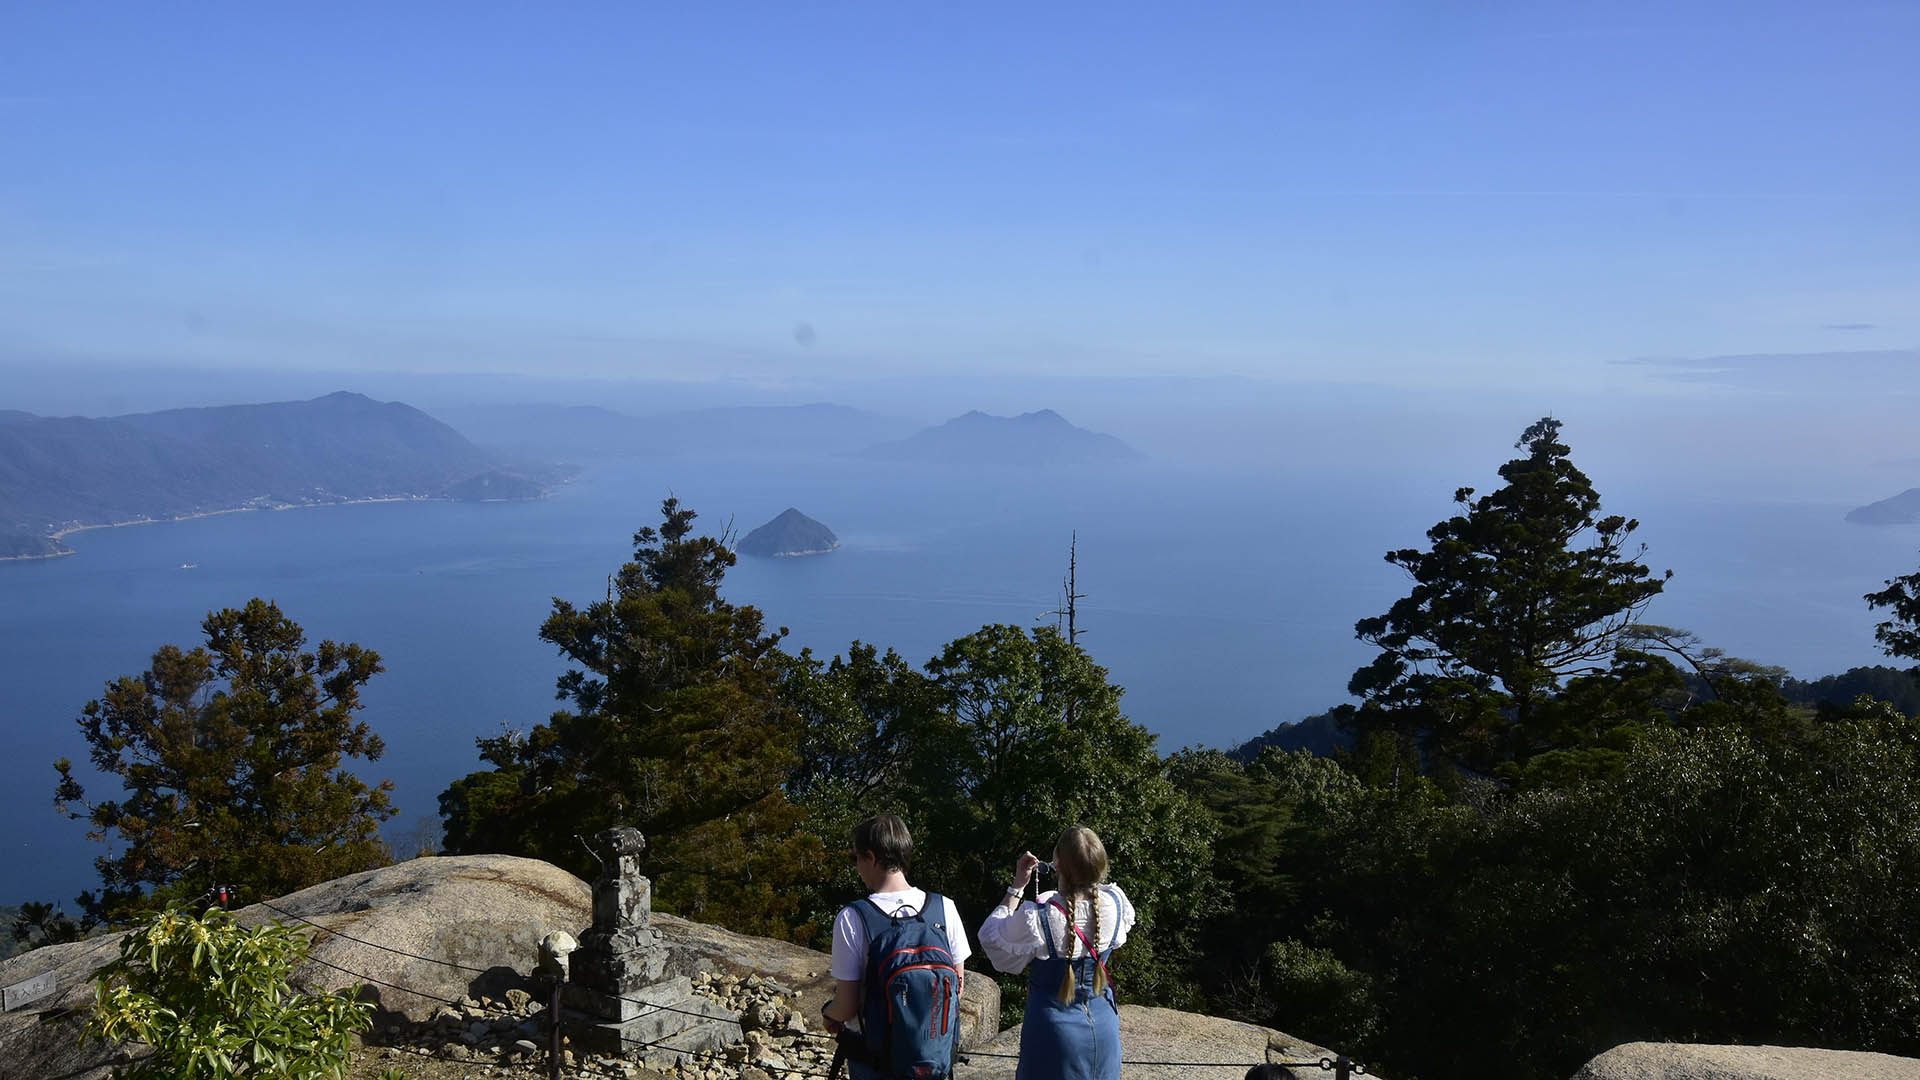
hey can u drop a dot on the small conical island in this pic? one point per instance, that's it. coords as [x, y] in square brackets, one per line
[792, 533]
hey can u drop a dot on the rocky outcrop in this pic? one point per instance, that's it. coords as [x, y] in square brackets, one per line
[442, 928]
[430, 932]
[401, 931]
[444, 946]
[1205, 1048]
[1675, 1061]
[42, 1040]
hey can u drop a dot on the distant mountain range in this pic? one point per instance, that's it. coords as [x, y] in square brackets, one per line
[62, 473]
[58, 474]
[785, 433]
[1035, 438]
[744, 432]
[1902, 509]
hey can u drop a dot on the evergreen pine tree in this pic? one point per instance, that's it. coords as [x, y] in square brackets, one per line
[231, 756]
[1521, 589]
[676, 725]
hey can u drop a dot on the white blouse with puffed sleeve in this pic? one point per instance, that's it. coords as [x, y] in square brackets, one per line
[1011, 938]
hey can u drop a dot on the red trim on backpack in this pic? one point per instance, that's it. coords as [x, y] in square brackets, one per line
[918, 949]
[888, 988]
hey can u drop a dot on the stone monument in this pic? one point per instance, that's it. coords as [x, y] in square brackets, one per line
[619, 1001]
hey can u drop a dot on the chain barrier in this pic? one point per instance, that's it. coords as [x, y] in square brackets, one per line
[371, 944]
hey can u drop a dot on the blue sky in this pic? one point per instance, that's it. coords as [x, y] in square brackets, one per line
[1414, 193]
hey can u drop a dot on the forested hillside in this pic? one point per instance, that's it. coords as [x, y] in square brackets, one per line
[57, 473]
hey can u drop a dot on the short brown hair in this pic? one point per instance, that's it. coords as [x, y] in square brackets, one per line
[885, 837]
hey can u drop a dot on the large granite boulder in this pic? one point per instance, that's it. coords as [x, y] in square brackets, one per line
[442, 928]
[472, 924]
[1676, 1061]
[1195, 1046]
[695, 947]
[41, 1040]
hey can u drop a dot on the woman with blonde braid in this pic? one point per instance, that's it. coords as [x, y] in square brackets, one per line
[1072, 1031]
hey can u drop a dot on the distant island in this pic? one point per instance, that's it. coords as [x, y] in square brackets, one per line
[59, 475]
[792, 533]
[1902, 509]
[1036, 438]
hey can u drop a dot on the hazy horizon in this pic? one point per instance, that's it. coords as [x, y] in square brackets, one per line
[1379, 194]
[1832, 427]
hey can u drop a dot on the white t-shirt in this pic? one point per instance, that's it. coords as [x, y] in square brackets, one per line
[850, 932]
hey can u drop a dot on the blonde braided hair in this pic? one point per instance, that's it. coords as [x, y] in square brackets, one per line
[1081, 860]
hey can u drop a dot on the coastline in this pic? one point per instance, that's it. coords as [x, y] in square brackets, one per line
[71, 529]
[33, 558]
[805, 554]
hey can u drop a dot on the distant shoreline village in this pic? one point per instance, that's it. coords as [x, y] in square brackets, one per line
[62, 534]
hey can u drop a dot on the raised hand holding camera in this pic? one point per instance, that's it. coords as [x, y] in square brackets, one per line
[1023, 871]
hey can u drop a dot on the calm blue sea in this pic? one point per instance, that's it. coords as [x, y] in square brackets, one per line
[1224, 602]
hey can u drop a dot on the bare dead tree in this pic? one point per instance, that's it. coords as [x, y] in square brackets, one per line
[1070, 587]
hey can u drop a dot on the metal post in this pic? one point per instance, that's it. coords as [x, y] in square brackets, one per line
[1342, 1067]
[553, 1024]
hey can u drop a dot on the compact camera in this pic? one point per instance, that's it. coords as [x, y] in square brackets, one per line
[1042, 869]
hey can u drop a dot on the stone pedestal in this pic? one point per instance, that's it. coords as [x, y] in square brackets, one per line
[616, 998]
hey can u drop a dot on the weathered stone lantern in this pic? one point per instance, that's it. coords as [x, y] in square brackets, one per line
[618, 997]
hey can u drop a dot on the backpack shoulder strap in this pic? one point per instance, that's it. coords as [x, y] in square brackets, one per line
[875, 920]
[935, 913]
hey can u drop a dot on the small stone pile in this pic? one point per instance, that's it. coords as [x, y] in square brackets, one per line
[509, 1028]
[777, 1035]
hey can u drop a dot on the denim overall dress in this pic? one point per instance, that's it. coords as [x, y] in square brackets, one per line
[1075, 1041]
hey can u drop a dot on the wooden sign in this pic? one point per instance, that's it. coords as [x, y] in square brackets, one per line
[12, 997]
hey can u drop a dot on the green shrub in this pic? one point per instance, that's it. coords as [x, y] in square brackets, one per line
[211, 998]
[1317, 996]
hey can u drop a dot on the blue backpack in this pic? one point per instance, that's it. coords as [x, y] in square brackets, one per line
[912, 1009]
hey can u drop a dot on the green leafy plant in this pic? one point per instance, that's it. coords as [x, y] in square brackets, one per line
[211, 998]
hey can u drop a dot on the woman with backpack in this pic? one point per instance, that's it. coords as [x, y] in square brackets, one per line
[1072, 1028]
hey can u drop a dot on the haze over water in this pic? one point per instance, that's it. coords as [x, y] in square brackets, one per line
[1222, 600]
